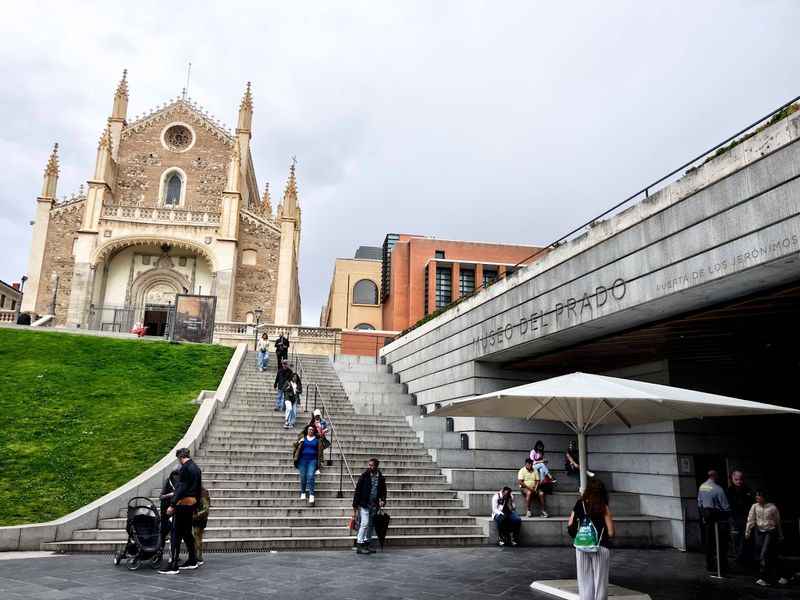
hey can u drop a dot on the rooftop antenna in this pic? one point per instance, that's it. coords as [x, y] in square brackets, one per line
[188, 74]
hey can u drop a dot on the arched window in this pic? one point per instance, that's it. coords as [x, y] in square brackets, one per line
[173, 195]
[364, 327]
[365, 292]
[248, 318]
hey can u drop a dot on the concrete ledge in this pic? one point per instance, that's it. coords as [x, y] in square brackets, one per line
[568, 589]
[631, 532]
[31, 537]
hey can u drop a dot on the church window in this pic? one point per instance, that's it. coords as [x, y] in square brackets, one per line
[178, 138]
[173, 196]
[249, 257]
[365, 292]
[248, 318]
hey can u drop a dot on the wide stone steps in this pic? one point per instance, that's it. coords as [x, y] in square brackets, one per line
[254, 486]
[319, 521]
[284, 532]
[248, 544]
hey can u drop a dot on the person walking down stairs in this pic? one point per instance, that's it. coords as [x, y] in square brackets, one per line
[262, 353]
[370, 495]
[282, 376]
[306, 456]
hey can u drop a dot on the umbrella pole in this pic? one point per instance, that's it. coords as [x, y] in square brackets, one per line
[581, 444]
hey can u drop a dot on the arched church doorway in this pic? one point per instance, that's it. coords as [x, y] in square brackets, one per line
[158, 306]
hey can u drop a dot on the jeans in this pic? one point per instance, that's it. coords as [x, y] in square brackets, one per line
[291, 412]
[295, 404]
[508, 525]
[543, 470]
[365, 528]
[182, 531]
[262, 359]
[307, 468]
[766, 543]
[279, 403]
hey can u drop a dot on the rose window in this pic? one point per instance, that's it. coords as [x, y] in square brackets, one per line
[178, 138]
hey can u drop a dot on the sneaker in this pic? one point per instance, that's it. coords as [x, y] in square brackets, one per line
[544, 514]
[783, 581]
[501, 543]
[316, 472]
[200, 563]
[590, 473]
[311, 498]
[303, 496]
[188, 566]
[761, 582]
[528, 514]
[169, 571]
[514, 543]
[362, 549]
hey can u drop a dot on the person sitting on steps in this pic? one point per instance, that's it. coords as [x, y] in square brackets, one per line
[572, 461]
[529, 484]
[507, 521]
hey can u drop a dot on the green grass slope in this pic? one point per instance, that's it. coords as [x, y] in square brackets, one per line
[81, 415]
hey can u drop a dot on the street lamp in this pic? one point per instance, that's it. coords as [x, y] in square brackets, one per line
[257, 312]
[23, 279]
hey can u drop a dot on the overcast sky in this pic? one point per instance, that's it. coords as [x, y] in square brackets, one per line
[492, 121]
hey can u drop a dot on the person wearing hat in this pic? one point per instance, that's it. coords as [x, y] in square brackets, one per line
[322, 428]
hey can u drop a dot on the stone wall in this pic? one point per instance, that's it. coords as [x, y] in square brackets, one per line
[256, 284]
[65, 221]
[143, 159]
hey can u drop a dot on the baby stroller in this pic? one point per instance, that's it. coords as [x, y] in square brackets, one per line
[143, 524]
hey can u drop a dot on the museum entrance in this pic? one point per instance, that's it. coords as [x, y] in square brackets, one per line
[156, 319]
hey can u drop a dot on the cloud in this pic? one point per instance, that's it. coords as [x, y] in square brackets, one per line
[466, 120]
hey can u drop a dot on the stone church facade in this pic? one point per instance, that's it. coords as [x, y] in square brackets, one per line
[172, 207]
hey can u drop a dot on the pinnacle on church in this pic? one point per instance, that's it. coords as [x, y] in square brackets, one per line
[105, 139]
[122, 88]
[291, 184]
[52, 167]
[247, 99]
[266, 201]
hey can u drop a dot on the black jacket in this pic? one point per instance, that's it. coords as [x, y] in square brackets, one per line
[281, 377]
[364, 486]
[190, 483]
[282, 343]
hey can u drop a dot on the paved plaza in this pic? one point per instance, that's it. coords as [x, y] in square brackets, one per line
[397, 574]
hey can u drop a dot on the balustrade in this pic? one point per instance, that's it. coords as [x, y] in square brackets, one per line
[118, 212]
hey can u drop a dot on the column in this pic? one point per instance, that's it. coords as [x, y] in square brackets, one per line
[456, 282]
[478, 275]
[432, 286]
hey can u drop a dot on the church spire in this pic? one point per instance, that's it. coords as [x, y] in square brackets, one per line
[105, 151]
[290, 193]
[51, 175]
[266, 202]
[245, 111]
[120, 108]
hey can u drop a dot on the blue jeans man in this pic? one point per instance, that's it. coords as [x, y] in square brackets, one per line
[508, 526]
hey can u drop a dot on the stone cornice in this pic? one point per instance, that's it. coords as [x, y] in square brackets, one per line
[258, 220]
[183, 110]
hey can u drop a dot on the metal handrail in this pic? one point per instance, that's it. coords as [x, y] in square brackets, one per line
[646, 190]
[326, 413]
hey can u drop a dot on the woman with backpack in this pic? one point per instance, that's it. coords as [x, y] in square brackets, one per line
[591, 524]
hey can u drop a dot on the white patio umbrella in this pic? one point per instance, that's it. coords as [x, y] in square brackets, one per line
[582, 402]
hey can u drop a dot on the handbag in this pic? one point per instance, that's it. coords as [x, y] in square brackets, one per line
[326, 443]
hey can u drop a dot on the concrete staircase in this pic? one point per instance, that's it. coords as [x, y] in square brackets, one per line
[247, 468]
[495, 449]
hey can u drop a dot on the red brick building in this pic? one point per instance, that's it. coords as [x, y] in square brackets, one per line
[422, 274]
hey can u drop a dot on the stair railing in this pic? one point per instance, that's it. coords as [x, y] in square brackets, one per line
[334, 436]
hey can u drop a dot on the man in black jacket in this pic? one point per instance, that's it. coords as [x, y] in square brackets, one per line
[370, 495]
[182, 504]
[282, 377]
[282, 348]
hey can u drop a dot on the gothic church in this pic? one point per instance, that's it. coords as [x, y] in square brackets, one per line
[172, 207]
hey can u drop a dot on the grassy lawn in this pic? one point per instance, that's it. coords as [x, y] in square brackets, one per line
[81, 415]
